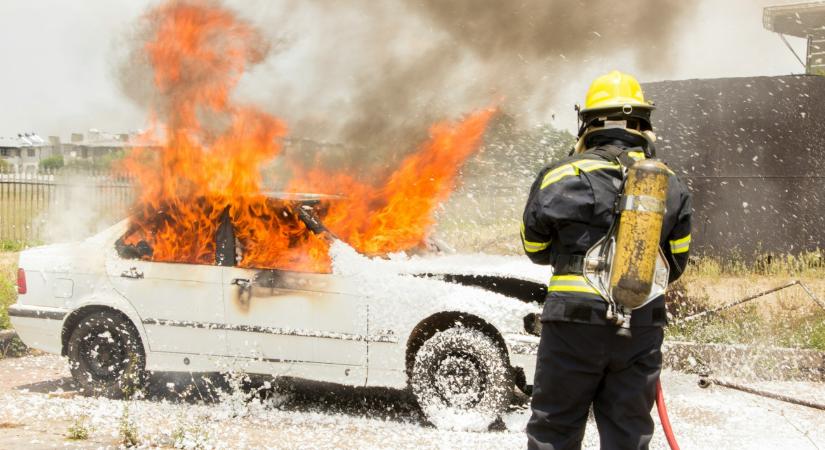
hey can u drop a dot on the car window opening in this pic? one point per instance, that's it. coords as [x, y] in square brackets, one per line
[275, 237]
[227, 246]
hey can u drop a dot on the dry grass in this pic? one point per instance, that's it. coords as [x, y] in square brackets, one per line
[787, 318]
[809, 264]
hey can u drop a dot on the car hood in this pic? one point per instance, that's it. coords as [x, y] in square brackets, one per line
[508, 275]
[477, 264]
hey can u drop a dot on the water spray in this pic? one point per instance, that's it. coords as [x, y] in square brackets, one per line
[749, 298]
[706, 381]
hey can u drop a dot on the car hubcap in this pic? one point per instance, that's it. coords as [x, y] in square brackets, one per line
[103, 354]
[460, 381]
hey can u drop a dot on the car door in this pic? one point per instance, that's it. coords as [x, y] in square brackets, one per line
[299, 321]
[180, 305]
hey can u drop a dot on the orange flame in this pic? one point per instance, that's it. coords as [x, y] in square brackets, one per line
[397, 214]
[198, 52]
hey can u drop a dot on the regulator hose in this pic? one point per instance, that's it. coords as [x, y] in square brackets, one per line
[660, 406]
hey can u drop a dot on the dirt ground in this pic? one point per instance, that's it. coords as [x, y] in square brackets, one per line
[37, 407]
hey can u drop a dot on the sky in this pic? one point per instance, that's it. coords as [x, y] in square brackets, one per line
[60, 60]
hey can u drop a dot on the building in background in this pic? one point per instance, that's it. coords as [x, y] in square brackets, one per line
[24, 152]
[94, 149]
[96, 146]
[804, 20]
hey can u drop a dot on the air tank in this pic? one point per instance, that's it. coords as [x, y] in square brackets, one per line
[642, 210]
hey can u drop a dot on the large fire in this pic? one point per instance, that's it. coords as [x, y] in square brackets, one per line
[198, 52]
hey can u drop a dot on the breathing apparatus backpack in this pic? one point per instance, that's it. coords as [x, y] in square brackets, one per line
[627, 266]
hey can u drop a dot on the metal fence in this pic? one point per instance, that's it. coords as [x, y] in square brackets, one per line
[50, 206]
[56, 206]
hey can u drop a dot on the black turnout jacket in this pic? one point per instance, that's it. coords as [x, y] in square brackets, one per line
[571, 207]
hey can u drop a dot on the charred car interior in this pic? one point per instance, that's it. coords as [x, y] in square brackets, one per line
[228, 248]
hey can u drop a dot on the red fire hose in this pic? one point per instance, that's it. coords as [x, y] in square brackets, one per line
[660, 405]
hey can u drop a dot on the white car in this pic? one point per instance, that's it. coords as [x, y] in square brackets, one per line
[460, 331]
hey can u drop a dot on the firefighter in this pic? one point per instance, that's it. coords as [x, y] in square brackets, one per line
[582, 359]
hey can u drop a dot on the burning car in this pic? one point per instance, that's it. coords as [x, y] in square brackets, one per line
[458, 330]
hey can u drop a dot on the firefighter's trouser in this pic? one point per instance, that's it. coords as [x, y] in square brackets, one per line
[581, 364]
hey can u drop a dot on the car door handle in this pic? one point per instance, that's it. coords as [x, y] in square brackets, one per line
[243, 283]
[132, 273]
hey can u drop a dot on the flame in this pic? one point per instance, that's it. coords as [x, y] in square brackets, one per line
[397, 214]
[208, 167]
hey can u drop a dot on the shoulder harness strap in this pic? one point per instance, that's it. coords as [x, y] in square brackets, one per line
[614, 154]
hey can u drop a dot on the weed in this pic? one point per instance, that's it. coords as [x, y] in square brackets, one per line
[79, 430]
[127, 429]
[816, 336]
[190, 437]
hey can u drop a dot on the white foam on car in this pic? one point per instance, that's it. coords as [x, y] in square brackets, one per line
[393, 278]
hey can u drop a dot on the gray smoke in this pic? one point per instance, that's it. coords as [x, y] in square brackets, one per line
[374, 75]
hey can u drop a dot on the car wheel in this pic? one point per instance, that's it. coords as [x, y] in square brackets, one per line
[106, 356]
[461, 379]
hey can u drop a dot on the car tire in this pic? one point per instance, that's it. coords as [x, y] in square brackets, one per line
[462, 380]
[106, 356]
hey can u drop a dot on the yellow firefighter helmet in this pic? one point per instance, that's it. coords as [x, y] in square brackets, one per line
[615, 98]
[616, 90]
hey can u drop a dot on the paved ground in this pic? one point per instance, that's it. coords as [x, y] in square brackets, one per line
[37, 408]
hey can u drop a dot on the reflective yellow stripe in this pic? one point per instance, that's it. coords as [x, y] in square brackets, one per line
[636, 155]
[573, 168]
[586, 164]
[684, 240]
[570, 283]
[598, 165]
[557, 174]
[568, 278]
[680, 245]
[532, 247]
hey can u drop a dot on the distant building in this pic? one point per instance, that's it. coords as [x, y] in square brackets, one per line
[804, 20]
[96, 145]
[24, 152]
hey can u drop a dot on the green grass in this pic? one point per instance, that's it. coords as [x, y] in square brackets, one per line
[16, 246]
[8, 286]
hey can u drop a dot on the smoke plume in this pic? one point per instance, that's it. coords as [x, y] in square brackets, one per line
[375, 75]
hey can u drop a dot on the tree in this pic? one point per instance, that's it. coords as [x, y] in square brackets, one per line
[53, 162]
